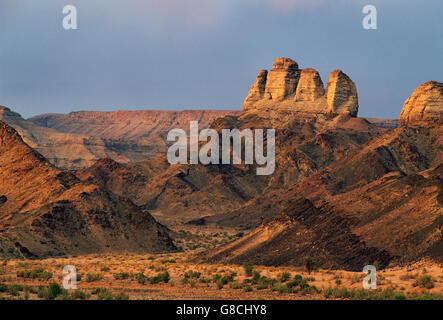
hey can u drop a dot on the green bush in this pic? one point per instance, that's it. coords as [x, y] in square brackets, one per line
[161, 277]
[80, 295]
[285, 276]
[141, 278]
[425, 282]
[50, 292]
[121, 296]
[121, 276]
[38, 273]
[14, 289]
[104, 294]
[248, 269]
[192, 274]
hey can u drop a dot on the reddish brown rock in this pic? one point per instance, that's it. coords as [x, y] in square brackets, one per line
[424, 107]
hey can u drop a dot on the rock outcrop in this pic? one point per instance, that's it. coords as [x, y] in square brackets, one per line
[424, 107]
[341, 94]
[282, 80]
[286, 87]
[310, 86]
[257, 90]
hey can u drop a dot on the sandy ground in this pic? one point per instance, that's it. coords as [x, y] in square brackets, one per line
[109, 267]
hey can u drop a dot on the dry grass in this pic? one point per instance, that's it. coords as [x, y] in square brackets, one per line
[139, 277]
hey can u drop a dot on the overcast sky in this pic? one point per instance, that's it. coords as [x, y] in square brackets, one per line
[193, 54]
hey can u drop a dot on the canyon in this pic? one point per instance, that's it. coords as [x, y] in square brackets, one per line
[346, 190]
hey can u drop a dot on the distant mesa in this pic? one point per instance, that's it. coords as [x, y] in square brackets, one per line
[286, 86]
[424, 107]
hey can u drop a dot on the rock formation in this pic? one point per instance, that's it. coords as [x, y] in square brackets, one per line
[310, 86]
[282, 80]
[341, 94]
[286, 87]
[257, 90]
[424, 107]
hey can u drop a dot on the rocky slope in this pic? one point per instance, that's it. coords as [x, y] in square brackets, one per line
[64, 150]
[385, 198]
[46, 212]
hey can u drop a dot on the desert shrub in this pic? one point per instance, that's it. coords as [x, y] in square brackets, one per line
[141, 278]
[280, 287]
[236, 285]
[247, 288]
[309, 290]
[263, 282]
[399, 296]
[328, 292]
[219, 284]
[121, 276]
[285, 276]
[255, 276]
[92, 277]
[14, 289]
[104, 294]
[80, 295]
[3, 287]
[425, 282]
[50, 292]
[121, 296]
[161, 277]
[248, 269]
[38, 273]
[192, 274]
[204, 280]
[296, 281]
[341, 293]
[105, 269]
[228, 278]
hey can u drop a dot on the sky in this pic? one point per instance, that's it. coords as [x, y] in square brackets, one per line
[205, 54]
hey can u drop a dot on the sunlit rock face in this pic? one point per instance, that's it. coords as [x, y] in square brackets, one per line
[286, 87]
[341, 94]
[424, 107]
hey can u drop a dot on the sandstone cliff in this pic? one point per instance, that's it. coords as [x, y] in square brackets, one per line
[286, 87]
[424, 107]
[341, 94]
